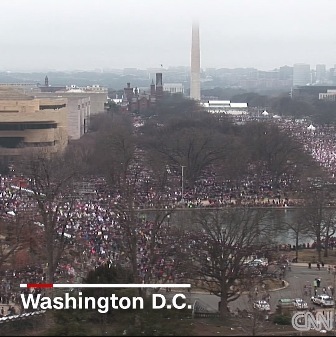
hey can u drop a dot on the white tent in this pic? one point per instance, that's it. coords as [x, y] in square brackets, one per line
[311, 127]
[276, 116]
[265, 113]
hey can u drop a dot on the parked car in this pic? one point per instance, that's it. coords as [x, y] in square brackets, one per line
[323, 300]
[261, 305]
[251, 271]
[258, 263]
[262, 261]
[286, 304]
[269, 275]
[300, 304]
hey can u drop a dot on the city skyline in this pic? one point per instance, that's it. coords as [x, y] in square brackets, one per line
[70, 35]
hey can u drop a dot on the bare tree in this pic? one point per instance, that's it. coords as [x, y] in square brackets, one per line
[257, 314]
[122, 163]
[14, 237]
[275, 151]
[192, 143]
[143, 240]
[298, 227]
[319, 218]
[51, 180]
[115, 147]
[329, 228]
[221, 246]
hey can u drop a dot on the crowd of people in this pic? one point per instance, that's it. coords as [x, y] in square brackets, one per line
[318, 141]
[94, 224]
[94, 229]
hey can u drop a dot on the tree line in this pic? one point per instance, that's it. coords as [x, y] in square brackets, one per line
[178, 134]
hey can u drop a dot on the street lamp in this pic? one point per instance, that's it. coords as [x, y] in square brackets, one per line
[182, 184]
[147, 188]
[333, 296]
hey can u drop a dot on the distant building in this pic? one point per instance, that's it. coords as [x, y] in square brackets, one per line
[225, 107]
[330, 95]
[49, 88]
[237, 109]
[28, 122]
[140, 100]
[98, 95]
[25, 88]
[321, 73]
[285, 73]
[79, 112]
[174, 88]
[309, 92]
[159, 86]
[301, 74]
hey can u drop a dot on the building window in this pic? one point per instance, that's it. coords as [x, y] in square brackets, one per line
[40, 144]
[26, 126]
[10, 142]
[55, 107]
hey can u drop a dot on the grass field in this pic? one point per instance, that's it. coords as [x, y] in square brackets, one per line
[310, 255]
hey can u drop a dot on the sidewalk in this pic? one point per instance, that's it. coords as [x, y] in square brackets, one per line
[301, 264]
[7, 306]
[313, 265]
[284, 287]
[200, 291]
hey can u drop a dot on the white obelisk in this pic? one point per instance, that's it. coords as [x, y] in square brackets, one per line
[195, 85]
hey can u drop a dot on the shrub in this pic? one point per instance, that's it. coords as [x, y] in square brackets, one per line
[282, 320]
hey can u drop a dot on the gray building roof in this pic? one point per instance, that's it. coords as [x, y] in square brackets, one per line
[8, 93]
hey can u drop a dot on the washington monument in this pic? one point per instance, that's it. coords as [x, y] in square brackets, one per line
[195, 86]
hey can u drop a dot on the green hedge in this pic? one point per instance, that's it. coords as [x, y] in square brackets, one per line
[282, 320]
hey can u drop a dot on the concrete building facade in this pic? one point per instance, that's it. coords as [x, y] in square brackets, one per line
[79, 112]
[28, 122]
[98, 96]
[78, 116]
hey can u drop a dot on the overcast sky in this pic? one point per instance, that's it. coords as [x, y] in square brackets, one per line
[96, 34]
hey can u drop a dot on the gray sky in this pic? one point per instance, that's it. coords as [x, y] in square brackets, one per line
[93, 34]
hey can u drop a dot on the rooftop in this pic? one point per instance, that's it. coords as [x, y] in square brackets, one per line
[8, 93]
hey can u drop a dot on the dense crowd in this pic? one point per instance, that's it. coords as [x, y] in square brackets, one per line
[318, 141]
[94, 225]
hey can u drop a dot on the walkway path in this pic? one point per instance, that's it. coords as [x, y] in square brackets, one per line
[296, 278]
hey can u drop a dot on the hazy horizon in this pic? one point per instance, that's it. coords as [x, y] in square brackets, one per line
[68, 35]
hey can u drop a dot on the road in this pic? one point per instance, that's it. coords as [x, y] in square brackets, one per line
[297, 278]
